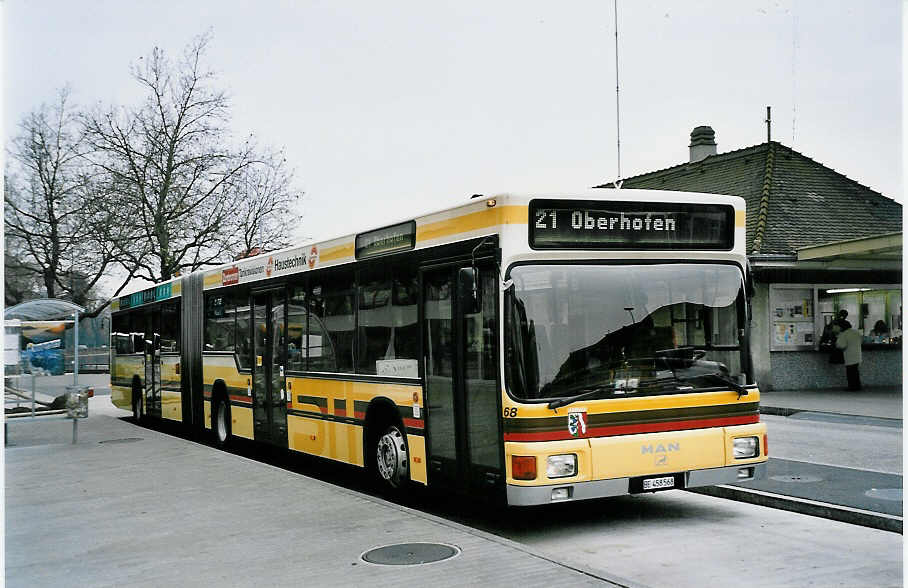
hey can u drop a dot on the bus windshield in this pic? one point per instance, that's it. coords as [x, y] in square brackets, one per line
[623, 329]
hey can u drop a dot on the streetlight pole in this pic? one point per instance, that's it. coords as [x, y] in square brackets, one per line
[76, 354]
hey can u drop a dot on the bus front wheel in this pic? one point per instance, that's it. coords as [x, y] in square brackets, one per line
[392, 458]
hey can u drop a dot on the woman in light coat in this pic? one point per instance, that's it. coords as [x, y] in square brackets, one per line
[849, 341]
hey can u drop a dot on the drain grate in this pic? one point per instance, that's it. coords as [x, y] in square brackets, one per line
[125, 440]
[884, 493]
[410, 554]
[796, 479]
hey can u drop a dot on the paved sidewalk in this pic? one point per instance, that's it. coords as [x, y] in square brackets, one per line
[121, 508]
[871, 402]
[849, 494]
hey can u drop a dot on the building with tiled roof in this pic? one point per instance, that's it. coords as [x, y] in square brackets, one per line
[812, 234]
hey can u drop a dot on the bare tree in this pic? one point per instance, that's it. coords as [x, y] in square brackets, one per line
[179, 184]
[55, 232]
[21, 279]
[266, 205]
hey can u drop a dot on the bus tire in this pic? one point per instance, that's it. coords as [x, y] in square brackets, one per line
[392, 458]
[220, 422]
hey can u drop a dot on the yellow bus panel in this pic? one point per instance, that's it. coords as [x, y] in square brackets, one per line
[417, 445]
[656, 453]
[241, 421]
[121, 397]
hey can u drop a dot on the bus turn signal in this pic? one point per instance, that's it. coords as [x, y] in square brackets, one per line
[523, 467]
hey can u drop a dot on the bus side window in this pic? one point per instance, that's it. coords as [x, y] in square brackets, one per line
[122, 340]
[405, 314]
[319, 348]
[296, 329]
[137, 330]
[374, 333]
[243, 332]
[170, 326]
[219, 323]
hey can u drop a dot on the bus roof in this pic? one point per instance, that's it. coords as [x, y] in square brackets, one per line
[479, 216]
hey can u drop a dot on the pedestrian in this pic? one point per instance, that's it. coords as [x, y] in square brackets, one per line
[880, 332]
[841, 319]
[849, 341]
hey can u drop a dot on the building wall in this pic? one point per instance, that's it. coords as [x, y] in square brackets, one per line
[806, 370]
[810, 369]
[759, 337]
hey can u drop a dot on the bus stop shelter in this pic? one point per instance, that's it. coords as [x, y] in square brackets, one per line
[48, 317]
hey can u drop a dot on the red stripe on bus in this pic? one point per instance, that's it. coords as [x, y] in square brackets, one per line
[342, 412]
[414, 423]
[633, 429]
[242, 399]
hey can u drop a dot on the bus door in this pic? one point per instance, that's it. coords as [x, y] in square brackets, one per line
[269, 396]
[462, 389]
[153, 362]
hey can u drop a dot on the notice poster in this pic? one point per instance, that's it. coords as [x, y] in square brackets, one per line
[791, 313]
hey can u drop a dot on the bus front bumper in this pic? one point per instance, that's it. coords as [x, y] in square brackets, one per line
[535, 495]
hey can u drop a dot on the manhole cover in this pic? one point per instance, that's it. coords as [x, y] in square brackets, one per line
[409, 554]
[796, 479]
[126, 440]
[885, 493]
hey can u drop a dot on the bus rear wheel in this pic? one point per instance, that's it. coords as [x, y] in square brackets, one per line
[221, 422]
[392, 458]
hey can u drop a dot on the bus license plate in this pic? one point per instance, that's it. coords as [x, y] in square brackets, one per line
[659, 483]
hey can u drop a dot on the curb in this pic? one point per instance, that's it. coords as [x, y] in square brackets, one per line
[785, 412]
[845, 514]
[867, 420]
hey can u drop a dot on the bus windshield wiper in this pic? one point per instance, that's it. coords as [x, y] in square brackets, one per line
[721, 378]
[588, 393]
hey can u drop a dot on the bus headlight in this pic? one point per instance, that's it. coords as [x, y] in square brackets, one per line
[561, 466]
[745, 447]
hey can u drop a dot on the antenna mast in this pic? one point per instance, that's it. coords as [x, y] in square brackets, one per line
[617, 94]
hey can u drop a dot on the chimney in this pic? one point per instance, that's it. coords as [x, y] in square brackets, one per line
[702, 143]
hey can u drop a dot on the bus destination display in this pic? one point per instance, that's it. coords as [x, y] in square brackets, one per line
[590, 224]
[400, 237]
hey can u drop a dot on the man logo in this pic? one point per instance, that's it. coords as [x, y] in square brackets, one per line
[660, 448]
[662, 460]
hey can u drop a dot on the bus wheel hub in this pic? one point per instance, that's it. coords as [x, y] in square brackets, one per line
[392, 457]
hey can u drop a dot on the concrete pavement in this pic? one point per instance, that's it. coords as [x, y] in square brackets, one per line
[137, 489]
[870, 402]
[122, 507]
[822, 480]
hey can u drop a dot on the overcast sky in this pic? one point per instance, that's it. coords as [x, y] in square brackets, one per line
[388, 109]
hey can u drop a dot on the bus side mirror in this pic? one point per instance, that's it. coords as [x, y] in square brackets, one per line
[468, 290]
[749, 287]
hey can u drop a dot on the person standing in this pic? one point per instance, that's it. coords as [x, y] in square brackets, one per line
[849, 341]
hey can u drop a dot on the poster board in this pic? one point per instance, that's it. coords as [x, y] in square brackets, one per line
[792, 318]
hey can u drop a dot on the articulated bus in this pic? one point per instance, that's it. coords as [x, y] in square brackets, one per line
[532, 348]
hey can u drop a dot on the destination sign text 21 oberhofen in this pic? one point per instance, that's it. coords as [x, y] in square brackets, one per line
[556, 224]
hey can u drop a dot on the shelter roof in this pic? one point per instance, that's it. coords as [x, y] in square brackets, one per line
[43, 309]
